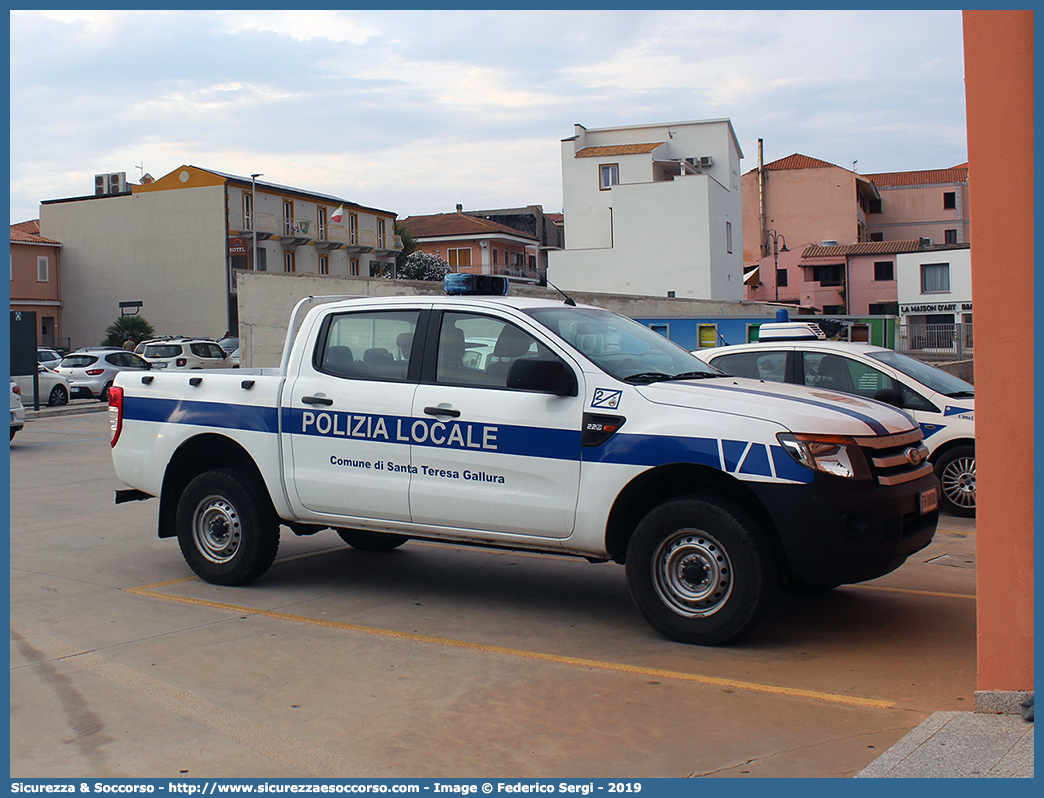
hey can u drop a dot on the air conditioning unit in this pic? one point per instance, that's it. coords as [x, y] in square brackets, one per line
[828, 243]
[117, 182]
[706, 160]
[101, 185]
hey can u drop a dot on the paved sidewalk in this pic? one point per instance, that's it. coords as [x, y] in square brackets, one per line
[959, 745]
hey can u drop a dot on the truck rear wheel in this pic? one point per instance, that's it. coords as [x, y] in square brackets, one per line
[371, 541]
[226, 529]
[700, 570]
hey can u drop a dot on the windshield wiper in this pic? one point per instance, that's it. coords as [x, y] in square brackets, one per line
[646, 377]
[962, 395]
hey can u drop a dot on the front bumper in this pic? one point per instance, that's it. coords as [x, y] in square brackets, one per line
[839, 531]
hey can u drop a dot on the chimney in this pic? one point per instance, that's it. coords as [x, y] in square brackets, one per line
[460, 208]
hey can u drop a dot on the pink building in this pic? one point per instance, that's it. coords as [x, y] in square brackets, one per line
[853, 279]
[477, 246]
[803, 199]
[34, 280]
[929, 204]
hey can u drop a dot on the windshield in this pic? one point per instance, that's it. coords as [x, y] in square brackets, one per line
[936, 379]
[622, 347]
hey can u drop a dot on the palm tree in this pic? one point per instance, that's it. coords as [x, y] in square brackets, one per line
[128, 328]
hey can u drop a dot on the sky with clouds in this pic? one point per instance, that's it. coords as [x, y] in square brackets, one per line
[416, 111]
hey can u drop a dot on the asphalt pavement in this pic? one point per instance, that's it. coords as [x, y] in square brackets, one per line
[447, 661]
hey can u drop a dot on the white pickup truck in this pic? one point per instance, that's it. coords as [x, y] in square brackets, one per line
[528, 424]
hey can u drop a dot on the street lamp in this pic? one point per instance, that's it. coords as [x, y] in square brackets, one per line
[253, 216]
[776, 238]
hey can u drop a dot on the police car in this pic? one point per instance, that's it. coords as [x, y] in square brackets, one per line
[578, 432]
[943, 405]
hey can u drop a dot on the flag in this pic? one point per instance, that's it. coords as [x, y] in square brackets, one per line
[338, 215]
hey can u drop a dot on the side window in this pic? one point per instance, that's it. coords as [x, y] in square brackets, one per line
[844, 374]
[371, 345]
[914, 401]
[768, 366]
[479, 350]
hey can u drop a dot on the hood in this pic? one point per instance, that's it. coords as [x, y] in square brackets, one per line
[796, 407]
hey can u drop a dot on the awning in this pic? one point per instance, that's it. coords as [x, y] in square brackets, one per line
[751, 277]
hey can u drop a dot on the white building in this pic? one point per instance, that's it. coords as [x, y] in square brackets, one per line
[934, 286]
[177, 244]
[652, 210]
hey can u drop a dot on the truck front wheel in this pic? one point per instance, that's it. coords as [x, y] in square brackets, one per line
[700, 571]
[226, 530]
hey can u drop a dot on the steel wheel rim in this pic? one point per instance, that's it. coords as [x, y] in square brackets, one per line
[958, 482]
[692, 573]
[216, 529]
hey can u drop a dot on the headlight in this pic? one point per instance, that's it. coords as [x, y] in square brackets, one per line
[831, 454]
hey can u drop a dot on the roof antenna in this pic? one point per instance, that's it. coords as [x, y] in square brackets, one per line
[568, 299]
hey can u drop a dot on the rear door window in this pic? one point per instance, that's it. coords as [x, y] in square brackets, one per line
[768, 366]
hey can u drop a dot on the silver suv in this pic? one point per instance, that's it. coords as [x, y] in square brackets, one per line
[185, 353]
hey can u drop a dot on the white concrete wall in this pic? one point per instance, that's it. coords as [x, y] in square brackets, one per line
[267, 299]
[908, 278]
[165, 248]
[648, 235]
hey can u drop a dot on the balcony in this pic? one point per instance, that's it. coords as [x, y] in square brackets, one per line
[296, 232]
[358, 242]
[267, 226]
[387, 246]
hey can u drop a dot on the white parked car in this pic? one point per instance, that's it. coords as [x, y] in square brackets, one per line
[54, 388]
[185, 353]
[17, 409]
[48, 357]
[943, 405]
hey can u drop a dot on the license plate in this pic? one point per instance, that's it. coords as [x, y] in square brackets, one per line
[159, 365]
[929, 500]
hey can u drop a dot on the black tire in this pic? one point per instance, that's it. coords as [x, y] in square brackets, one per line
[104, 395]
[371, 541]
[13, 431]
[227, 530]
[956, 472]
[59, 396]
[700, 570]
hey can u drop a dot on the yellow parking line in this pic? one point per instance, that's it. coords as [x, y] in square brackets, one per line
[835, 698]
[915, 592]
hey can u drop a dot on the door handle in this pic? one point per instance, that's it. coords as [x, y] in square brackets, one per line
[442, 411]
[316, 400]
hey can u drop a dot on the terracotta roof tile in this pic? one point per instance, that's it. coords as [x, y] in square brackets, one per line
[815, 252]
[457, 224]
[799, 161]
[29, 233]
[618, 149]
[926, 177]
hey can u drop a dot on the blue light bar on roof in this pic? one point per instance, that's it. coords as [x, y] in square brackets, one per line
[475, 284]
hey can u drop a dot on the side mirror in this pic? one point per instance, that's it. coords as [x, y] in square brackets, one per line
[889, 397]
[542, 375]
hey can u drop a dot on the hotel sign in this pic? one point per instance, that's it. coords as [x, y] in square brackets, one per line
[951, 307]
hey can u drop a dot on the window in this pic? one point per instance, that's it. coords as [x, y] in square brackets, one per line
[662, 329]
[949, 199]
[353, 228]
[782, 281]
[320, 215]
[248, 211]
[380, 234]
[832, 310]
[728, 237]
[608, 176]
[288, 217]
[874, 206]
[289, 261]
[768, 366]
[459, 258]
[495, 256]
[324, 264]
[827, 275]
[844, 374]
[368, 346]
[884, 270]
[479, 350]
[353, 267]
[877, 236]
[706, 335]
[951, 236]
[43, 269]
[935, 278]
